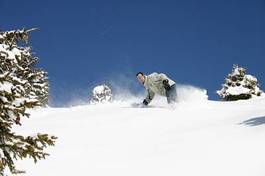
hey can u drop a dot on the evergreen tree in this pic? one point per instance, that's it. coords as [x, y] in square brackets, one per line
[238, 85]
[101, 94]
[22, 86]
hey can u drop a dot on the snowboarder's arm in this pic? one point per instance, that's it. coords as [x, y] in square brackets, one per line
[163, 76]
[167, 82]
[159, 76]
[149, 97]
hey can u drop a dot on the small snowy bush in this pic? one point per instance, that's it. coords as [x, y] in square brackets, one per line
[238, 85]
[101, 94]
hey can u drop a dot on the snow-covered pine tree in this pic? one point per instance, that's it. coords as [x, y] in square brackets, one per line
[101, 94]
[22, 86]
[238, 85]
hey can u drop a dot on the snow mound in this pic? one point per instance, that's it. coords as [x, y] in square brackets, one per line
[218, 138]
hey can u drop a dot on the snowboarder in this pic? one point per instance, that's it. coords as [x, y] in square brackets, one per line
[157, 84]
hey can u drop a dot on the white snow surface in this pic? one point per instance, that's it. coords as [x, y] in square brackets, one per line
[237, 90]
[98, 89]
[6, 86]
[251, 78]
[197, 138]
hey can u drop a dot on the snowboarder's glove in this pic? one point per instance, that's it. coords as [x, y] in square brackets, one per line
[166, 84]
[145, 102]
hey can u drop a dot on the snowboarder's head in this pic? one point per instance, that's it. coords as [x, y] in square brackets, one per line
[140, 76]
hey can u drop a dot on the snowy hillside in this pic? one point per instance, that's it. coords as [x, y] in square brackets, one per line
[197, 138]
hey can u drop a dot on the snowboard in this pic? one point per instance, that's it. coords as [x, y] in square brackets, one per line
[138, 105]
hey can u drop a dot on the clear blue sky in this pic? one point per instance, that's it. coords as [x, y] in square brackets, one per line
[82, 43]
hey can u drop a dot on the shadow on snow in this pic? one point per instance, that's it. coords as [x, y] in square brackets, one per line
[254, 121]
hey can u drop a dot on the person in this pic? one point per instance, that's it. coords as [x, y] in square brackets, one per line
[160, 84]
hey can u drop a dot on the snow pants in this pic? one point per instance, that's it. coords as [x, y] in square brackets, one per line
[172, 94]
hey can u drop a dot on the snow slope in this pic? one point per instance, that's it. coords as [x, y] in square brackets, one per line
[197, 138]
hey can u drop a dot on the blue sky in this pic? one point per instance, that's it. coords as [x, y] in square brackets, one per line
[83, 43]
